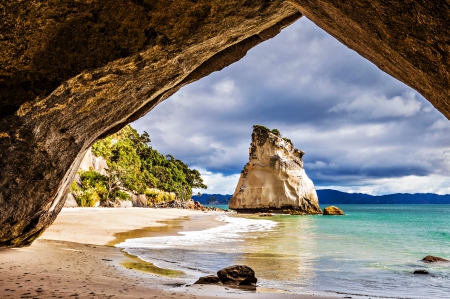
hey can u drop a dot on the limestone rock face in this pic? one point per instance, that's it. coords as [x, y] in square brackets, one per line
[91, 161]
[139, 200]
[70, 201]
[274, 178]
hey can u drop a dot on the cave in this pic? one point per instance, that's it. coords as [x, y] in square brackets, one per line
[74, 72]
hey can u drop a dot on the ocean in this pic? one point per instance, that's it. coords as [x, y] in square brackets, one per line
[371, 251]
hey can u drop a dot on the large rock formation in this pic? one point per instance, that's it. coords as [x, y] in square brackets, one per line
[73, 71]
[274, 179]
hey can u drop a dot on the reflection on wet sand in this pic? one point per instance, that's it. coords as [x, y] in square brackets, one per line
[170, 228]
[286, 253]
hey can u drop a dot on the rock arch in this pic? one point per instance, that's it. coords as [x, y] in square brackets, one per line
[75, 71]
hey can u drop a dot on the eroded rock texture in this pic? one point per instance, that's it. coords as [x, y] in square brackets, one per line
[72, 71]
[274, 179]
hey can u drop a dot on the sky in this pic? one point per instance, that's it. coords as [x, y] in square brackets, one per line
[361, 129]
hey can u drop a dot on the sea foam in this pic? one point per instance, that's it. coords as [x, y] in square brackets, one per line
[234, 229]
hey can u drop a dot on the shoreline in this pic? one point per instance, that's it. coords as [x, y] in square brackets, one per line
[74, 258]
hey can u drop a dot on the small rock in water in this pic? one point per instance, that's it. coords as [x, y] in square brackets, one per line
[332, 210]
[265, 214]
[434, 259]
[421, 271]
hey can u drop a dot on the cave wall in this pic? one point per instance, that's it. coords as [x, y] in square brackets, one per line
[72, 71]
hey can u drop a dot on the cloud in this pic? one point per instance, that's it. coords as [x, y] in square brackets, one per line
[378, 106]
[407, 184]
[358, 126]
[218, 183]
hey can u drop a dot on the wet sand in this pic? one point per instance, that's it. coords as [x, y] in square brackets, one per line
[74, 259]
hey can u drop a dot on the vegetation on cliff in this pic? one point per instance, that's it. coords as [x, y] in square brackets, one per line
[134, 166]
[273, 131]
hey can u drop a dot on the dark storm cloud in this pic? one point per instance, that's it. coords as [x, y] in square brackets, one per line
[358, 125]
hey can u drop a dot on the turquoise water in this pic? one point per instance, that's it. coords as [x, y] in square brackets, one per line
[371, 251]
[223, 207]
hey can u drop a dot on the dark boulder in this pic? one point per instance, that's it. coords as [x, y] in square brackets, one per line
[237, 275]
[210, 279]
[421, 271]
[434, 259]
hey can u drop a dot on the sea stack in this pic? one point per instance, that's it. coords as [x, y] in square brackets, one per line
[274, 179]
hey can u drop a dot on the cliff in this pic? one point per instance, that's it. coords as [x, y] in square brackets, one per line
[274, 179]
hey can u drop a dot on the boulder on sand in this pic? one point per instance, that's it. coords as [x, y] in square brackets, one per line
[332, 210]
[139, 200]
[237, 275]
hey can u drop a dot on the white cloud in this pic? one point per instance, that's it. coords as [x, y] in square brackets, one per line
[379, 106]
[408, 184]
[217, 182]
[225, 86]
[440, 124]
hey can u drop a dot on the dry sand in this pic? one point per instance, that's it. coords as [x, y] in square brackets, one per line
[74, 259]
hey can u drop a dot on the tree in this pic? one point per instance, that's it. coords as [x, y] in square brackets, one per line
[135, 165]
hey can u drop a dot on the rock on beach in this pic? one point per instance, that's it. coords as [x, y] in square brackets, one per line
[332, 210]
[237, 275]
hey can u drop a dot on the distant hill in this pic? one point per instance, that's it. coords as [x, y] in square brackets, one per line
[214, 199]
[328, 196]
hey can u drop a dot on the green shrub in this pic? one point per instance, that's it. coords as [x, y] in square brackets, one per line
[276, 132]
[288, 140]
[102, 148]
[266, 129]
[74, 186]
[155, 196]
[121, 195]
[87, 198]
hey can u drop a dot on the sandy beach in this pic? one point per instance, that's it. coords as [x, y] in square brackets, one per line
[75, 258]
